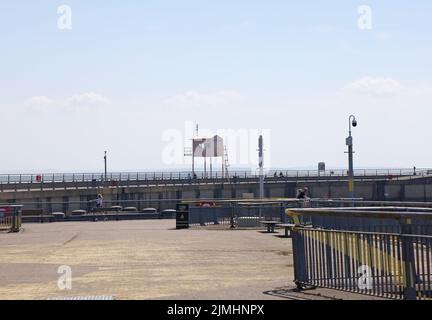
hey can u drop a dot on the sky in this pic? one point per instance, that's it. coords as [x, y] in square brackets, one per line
[133, 77]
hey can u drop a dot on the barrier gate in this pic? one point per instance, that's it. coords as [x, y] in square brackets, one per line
[10, 218]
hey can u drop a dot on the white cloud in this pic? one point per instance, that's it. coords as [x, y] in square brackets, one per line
[83, 99]
[39, 101]
[383, 35]
[376, 86]
[329, 29]
[86, 99]
[195, 99]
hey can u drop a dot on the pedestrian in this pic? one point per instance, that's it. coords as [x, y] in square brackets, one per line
[99, 201]
[306, 192]
[301, 194]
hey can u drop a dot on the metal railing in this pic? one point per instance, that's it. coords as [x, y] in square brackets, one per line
[239, 214]
[238, 209]
[17, 182]
[10, 218]
[231, 211]
[395, 265]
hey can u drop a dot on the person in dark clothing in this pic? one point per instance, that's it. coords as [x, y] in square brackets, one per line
[301, 194]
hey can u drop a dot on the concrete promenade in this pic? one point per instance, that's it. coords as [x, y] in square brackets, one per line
[149, 260]
[142, 260]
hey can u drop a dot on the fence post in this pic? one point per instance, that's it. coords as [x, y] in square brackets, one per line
[16, 220]
[409, 291]
[232, 216]
[201, 219]
[300, 272]
[215, 216]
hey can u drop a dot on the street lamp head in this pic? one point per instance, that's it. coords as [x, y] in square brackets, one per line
[352, 121]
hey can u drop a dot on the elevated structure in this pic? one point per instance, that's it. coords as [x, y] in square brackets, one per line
[62, 193]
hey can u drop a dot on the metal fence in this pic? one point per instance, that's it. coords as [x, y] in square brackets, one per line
[368, 218]
[240, 214]
[16, 182]
[251, 213]
[10, 218]
[394, 265]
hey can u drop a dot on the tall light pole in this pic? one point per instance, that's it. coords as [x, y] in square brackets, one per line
[106, 173]
[349, 142]
[261, 166]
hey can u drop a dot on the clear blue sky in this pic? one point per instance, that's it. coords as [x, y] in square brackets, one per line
[134, 69]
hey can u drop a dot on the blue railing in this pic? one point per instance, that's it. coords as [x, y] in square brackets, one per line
[394, 261]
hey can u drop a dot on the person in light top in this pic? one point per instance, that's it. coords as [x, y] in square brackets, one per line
[99, 201]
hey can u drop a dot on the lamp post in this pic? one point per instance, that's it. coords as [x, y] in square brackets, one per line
[261, 166]
[349, 142]
[106, 173]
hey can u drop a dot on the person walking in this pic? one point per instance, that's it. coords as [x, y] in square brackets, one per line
[99, 201]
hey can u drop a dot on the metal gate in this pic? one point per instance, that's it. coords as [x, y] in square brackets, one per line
[10, 218]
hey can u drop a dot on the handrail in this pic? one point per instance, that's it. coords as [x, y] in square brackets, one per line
[167, 175]
[11, 182]
[365, 212]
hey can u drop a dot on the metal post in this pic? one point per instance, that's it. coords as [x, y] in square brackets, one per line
[211, 167]
[350, 171]
[349, 142]
[106, 173]
[410, 279]
[261, 166]
[299, 256]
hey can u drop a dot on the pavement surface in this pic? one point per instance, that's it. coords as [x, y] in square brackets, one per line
[148, 260]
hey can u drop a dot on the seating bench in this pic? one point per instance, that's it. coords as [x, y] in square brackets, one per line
[270, 225]
[287, 227]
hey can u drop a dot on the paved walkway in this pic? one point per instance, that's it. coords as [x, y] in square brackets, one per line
[149, 260]
[142, 260]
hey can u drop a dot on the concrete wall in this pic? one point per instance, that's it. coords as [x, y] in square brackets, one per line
[64, 200]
